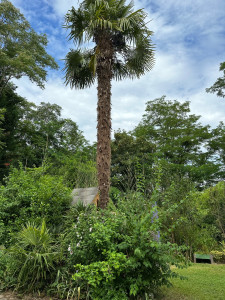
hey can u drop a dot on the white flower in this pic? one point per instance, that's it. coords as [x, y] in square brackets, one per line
[90, 229]
[78, 244]
[70, 250]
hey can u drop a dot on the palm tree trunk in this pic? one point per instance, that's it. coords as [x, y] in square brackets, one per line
[104, 75]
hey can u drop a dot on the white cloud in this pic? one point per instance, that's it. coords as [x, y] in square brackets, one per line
[211, 108]
[61, 7]
[189, 38]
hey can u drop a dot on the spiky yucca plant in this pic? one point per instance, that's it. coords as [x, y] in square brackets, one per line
[123, 48]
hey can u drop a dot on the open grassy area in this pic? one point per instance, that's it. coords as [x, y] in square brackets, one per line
[204, 282]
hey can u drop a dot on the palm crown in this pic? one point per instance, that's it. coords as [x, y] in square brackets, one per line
[127, 30]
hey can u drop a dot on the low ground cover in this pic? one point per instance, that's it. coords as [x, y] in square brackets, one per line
[203, 282]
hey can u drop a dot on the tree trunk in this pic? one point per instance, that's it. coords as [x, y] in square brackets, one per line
[104, 75]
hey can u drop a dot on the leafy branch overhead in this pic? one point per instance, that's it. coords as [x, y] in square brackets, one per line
[22, 50]
[219, 86]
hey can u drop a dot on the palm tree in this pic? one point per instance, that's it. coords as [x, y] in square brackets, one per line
[123, 48]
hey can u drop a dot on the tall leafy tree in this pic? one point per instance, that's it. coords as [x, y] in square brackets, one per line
[12, 104]
[123, 48]
[1, 130]
[129, 155]
[32, 134]
[43, 134]
[219, 86]
[169, 136]
[180, 139]
[216, 146]
[212, 199]
[22, 50]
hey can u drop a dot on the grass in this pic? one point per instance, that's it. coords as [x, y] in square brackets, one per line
[204, 282]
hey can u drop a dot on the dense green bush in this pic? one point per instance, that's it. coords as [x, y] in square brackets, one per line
[6, 280]
[102, 254]
[78, 170]
[78, 173]
[182, 219]
[182, 215]
[219, 254]
[30, 196]
[115, 253]
[213, 201]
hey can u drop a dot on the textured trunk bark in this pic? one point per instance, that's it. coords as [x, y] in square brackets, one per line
[104, 75]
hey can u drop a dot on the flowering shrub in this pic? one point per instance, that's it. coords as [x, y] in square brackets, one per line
[114, 254]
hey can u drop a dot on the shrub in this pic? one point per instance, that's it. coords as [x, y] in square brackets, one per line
[213, 200]
[77, 170]
[116, 253]
[30, 196]
[182, 217]
[6, 280]
[219, 254]
[28, 265]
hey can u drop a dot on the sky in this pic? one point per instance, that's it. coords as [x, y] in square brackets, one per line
[189, 39]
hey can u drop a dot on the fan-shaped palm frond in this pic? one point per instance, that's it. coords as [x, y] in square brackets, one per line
[33, 256]
[140, 59]
[77, 22]
[137, 61]
[79, 73]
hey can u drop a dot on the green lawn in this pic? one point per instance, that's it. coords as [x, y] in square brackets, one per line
[204, 282]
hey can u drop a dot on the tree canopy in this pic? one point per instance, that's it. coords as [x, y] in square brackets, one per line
[33, 133]
[1, 130]
[170, 135]
[22, 50]
[219, 86]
